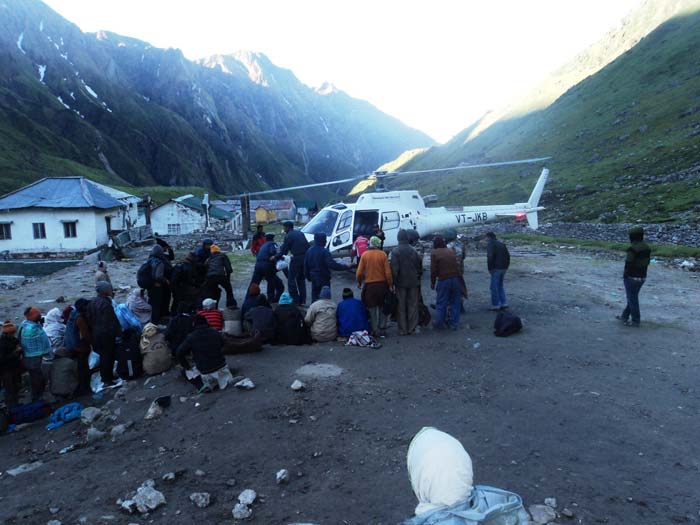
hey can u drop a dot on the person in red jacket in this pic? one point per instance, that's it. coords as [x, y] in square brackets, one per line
[212, 314]
[258, 240]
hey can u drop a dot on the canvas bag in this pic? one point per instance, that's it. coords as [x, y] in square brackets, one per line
[506, 324]
[63, 376]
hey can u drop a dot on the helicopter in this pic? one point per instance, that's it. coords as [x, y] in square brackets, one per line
[342, 222]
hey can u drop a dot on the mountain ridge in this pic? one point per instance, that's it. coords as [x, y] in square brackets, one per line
[121, 111]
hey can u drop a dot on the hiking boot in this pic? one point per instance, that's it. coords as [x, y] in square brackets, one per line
[631, 323]
[623, 319]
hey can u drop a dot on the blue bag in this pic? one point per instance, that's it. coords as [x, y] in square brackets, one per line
[486, 506]
[126, 317]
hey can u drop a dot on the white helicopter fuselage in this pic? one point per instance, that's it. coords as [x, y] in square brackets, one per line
[395, 210]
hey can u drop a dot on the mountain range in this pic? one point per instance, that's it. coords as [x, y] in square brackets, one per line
[621, 122]
[123, 112]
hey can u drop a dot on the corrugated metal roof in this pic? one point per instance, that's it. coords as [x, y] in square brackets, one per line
[59, 192]
[196, 204]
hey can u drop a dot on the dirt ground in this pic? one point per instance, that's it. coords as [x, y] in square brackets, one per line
[602, 417]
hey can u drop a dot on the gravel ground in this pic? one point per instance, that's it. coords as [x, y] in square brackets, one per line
[577, 407]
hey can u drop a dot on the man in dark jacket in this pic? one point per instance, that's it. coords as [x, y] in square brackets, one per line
[219, 272]
[105, 328]
[202, 255]
[296, 243]
[635, 274]
[318, 264]
[159, 293]
[289, 323]
[406, 267]
[205, 344]
[444, 278]
[261, 319]
[184, 282]
[180, 326]
[265, 268]
[497, 261]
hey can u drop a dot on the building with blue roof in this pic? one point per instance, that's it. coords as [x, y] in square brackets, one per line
[65, 215]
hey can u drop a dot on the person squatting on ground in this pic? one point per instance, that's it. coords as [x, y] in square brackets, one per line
[289, 323]
[10, 363]
[265, 268]
[318, 264]
[295, 243]
[444, 278]
[159, 292]
[251, 299]
[406, 269]
[442, 478]
[634, 275]
[35, 346]
[101, 273]
[212, 314]
[78, 341]
[180, 326]
[205, 344]
[321, 317]
[374, 272]
[105, 328]
[351, 314]
[261, 319]
[219, 272]
[497, 261]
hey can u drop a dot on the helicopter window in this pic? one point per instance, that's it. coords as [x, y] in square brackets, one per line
[323, 222]
[345, 220]
[343, 238]
[390, 220]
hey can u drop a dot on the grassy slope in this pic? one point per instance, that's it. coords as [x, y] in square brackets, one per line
[616, 131]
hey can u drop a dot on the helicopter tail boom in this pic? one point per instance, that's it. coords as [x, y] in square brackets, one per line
[534, 199]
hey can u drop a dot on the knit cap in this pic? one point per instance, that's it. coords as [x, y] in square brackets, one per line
[8, 327]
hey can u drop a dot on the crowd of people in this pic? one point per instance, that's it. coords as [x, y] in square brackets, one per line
[174, 313]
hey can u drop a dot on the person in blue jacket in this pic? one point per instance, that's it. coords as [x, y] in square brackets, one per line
[296, 243]
[265, 268]
[352, 315]
[318, 264]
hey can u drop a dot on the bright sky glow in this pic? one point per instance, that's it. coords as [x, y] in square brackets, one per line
[436, 65]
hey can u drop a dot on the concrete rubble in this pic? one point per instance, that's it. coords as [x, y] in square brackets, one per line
[146, 499]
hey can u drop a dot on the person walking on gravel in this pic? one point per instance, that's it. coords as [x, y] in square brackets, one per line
[634, 275]
[497, 261]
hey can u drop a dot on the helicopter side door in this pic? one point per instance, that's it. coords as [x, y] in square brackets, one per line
[342, 236]
[391, 220]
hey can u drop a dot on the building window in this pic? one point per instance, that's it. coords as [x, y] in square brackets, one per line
[39, 230]
[173, 229]
[5, 231]
[69, 230]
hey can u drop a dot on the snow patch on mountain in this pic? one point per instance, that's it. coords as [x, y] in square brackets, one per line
[89, 89]
[41, 25]
[19, 43]
[42, 72]
[64, 104]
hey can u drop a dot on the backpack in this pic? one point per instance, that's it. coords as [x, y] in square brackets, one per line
[128, 356]
[144, 276]
[423, 314]
[506, 324]
[72, 336]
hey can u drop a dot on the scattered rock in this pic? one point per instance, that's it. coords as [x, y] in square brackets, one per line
[567, 512]
[298, 386]
[54, 522]
[552, 502]
[90, 414]
[146, 499]
[282, 476]
[118, 430]
[199, 473]
[231, 482]
[54, 510]
[169, 476]
[200, 499]
[94, 434]
[241, 512]
[154, 411]
[245, 384]
[60, 299]
[476, 345]
[542, 514]
[247, 497]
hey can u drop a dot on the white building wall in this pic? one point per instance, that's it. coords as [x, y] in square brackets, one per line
[91, 230]
[174, 214]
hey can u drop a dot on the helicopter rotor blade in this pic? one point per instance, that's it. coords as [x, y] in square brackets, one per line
[301, 187]
[469, 166]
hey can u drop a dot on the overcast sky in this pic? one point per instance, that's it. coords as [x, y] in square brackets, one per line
[436, 65]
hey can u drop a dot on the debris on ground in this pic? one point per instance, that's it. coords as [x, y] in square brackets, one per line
[24, 468]
[200, 499]
[94, 434]
[247, 497]
[282, 476]
[298, 386]
[146, 499]
[90, 414]
[241, 512]
[245, 384]
[542, 514]
[551, 502]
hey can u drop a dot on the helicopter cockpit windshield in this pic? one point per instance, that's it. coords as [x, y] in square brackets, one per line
[323, 222]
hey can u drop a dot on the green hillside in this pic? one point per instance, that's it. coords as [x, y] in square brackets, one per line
[624, 139]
